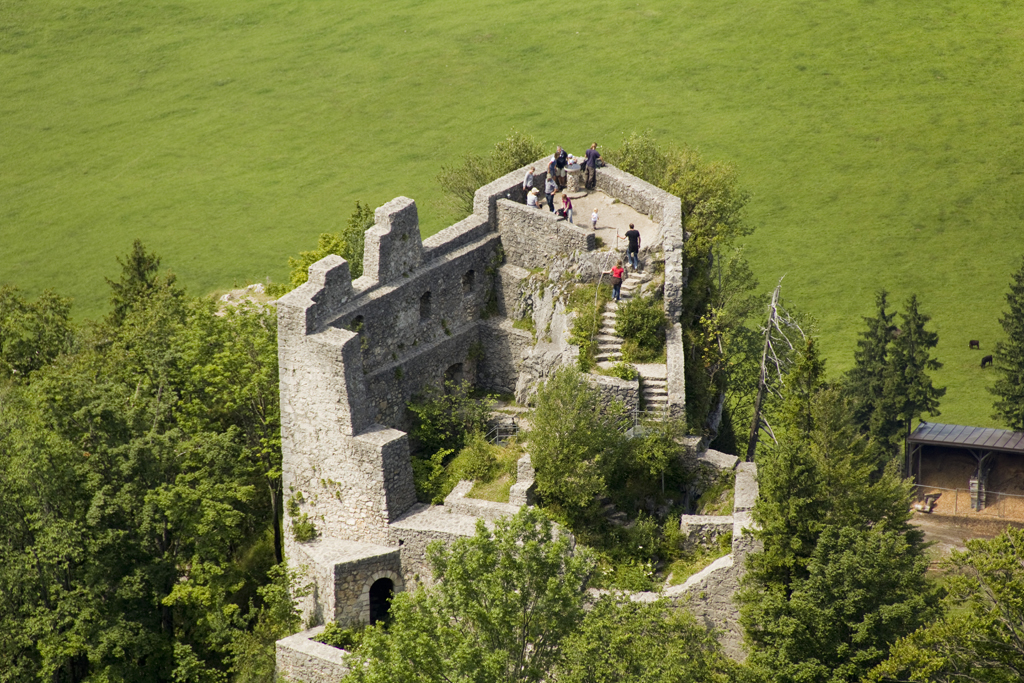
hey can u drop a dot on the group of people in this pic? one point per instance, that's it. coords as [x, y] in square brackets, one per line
[557, 178]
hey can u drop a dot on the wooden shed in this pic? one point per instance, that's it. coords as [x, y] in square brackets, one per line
[940, 454]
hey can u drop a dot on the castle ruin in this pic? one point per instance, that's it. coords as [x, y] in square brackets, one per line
[353, 353]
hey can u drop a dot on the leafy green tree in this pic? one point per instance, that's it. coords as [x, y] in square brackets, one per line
[444, 418]
[32, 334]
[232, 381]
[499, 609]
[633, 642]
[980, 634]
[864, 589]
[348, 244]
[459, 182]
[575, 443]
[132, 533]
[1009, 358]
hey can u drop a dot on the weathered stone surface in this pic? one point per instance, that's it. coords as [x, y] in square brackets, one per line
[704, 530]
[532, 238]
[420, 526]
[718, 459]
[746, 487]
[676, 379]
[612, 389]
[300, 658]
[524, 491]
[393, 247]
[341, 573]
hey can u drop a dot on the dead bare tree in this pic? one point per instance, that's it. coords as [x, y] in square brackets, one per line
[775, 339]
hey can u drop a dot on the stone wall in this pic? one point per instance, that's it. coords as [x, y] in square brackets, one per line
[458, 503]
[300, 658]
[532, 238]
[612, 389]
[709, 594]
[342, 573]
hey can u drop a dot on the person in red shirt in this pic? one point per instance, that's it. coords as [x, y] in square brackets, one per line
[616, 272]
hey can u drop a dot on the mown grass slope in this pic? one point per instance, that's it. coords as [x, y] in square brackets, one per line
[881, 140]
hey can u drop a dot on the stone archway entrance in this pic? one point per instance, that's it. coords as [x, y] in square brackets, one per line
[380, 599]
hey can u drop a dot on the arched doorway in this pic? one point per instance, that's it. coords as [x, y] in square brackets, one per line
[380, 599]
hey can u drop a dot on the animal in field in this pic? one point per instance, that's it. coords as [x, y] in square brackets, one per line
[975, 344]
[987, 360]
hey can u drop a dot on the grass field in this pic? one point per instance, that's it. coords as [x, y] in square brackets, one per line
[882, 141]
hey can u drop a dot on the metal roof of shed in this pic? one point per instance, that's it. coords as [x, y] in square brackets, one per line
[935, 434]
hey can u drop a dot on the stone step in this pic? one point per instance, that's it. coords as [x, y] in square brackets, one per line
[604, 336]
[654, 384]
[601, 357]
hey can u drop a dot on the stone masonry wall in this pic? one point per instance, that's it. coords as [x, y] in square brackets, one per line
[533, 237]
[300, 658]
[612, 389]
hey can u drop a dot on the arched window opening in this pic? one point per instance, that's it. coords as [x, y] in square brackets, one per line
[454, 375]
[467, 282]
[425, 306]
[380, 599]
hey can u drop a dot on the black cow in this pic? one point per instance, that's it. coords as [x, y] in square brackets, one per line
[987, 360]
[975, 344]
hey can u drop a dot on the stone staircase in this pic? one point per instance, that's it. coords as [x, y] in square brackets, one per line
[654, 388]
[653, 377]
[609, 345]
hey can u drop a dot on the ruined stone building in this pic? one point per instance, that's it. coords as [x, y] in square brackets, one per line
[353, 353]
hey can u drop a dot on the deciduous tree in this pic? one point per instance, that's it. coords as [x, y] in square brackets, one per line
[980, 635]
[501, 605]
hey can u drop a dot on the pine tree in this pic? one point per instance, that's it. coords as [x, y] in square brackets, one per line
[1009, 358]
[910, 389]
[139, 281]
[866, 381]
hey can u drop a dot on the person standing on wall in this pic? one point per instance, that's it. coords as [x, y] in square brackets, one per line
[591, 167]
[550, 188]
[633, 249]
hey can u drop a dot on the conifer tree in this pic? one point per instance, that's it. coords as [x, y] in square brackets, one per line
[866, 381]
[909, 390]
[1009, 361]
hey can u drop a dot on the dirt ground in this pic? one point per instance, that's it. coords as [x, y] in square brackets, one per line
[613, 218]
[947, 533]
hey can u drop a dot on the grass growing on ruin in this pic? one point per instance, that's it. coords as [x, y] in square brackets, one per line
[881, 141]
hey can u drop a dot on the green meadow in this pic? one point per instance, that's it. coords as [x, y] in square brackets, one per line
[882, 141]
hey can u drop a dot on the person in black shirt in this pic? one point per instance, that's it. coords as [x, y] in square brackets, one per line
[633, 250]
